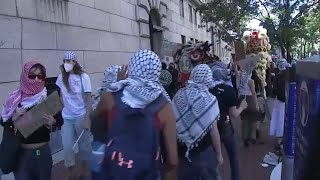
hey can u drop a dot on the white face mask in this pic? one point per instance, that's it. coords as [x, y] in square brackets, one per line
[68, 67]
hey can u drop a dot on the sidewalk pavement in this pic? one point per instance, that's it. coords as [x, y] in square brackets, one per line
[250, 159]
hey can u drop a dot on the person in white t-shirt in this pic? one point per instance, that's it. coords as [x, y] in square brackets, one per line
[76, 91]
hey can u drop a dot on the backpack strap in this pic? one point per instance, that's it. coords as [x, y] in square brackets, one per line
[152, 108]
[157, 104]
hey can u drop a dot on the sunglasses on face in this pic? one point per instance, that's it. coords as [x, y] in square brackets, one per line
[39, 76]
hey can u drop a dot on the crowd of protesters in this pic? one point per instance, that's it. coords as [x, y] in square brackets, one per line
[144, 125]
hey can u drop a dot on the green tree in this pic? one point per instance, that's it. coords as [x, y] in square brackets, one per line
[282, 18]
[309, 33]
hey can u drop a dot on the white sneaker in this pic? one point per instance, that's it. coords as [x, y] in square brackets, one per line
[270, 159]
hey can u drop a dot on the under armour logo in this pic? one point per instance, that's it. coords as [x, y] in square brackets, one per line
[121, 160]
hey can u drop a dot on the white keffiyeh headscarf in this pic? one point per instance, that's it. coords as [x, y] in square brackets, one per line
[221, 73]
[110, 76]
[282, 64]
[196, 109]
[142, 85]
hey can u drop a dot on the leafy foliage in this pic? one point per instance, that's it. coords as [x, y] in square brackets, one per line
[285, 20]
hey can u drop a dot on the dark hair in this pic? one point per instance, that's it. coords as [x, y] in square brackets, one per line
[216, 58]
[65, 75]
[164, 66]
[41, 68]
[257, 81]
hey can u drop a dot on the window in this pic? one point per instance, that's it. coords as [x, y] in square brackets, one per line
[181, 8]
[195, 17]
[183, 39]
[190, 13]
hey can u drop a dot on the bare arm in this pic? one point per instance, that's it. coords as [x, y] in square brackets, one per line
[235, 112]
[215, 138]
[88, 102]
[61, 98]
[102, 107]
[167, 117]
[237, 74]
[253, 91]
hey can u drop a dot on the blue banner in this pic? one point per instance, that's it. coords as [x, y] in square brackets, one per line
[308, 119]
[290, 120]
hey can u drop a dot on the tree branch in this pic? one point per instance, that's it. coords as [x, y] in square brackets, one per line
[301, 12]
[265, 7]
[244, 9]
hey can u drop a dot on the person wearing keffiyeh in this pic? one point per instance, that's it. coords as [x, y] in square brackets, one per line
[35, 160]
[229, 111]
[166, 79]
[110, 76]
[197, 112]
[139, 90]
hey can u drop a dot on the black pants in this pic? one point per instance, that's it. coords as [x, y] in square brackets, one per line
[34, 164]
[232, 148]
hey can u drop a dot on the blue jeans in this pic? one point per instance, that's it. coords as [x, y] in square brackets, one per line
[70, 131]
[202, 167]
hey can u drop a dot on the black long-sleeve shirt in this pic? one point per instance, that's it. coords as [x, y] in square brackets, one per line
[41, 135]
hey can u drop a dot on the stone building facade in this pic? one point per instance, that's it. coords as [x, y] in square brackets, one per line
[101, 32]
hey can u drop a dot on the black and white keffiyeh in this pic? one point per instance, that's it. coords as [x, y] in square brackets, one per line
[282, 64]
[110, 76]
[165, 78]
[142, 85]
[196, 109]
[221, 73]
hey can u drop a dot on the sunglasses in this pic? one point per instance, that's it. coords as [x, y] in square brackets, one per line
[39, 76]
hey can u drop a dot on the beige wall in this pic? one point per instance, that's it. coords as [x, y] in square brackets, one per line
[101, 32]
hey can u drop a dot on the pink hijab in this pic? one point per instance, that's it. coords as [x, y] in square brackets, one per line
[28, 87]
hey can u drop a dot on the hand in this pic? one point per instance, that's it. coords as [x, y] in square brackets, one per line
[244, 104]
[123, 73]
[50, 119]
[220, 159]
[20, 111]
